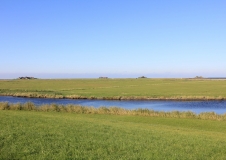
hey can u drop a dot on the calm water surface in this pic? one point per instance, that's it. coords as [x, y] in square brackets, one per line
[194, 106]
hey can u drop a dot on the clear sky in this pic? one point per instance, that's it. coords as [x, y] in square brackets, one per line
[114, 38]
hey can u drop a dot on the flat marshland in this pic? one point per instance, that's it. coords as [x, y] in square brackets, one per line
[61, 135]
[175, 89]
[75, 132]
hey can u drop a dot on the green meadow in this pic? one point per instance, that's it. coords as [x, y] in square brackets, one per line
[76, 132]
[61, 135]
[184, 89]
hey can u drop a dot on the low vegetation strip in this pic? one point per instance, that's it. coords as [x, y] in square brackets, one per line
[117, 89]
[60, 135]
[110, 110]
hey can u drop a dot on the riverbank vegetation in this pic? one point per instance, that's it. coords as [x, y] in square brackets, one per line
[117, 89]
[60, 135]
[110, 111]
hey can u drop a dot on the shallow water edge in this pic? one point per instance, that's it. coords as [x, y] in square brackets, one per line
[181, 98]
[218, 106]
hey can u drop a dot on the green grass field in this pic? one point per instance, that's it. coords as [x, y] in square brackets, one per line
[59, 135]
[117, 88]
[65, 133]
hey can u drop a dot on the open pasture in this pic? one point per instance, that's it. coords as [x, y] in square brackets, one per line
[116, 88]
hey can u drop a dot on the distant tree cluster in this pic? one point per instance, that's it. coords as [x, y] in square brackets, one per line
[199, 77]
[27, 78]
[103, 77]
[142, 77]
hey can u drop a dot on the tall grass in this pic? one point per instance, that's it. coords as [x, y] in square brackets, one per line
[29, 106]
[61, 135]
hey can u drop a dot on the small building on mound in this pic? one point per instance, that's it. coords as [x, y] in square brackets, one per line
[27, 78]
[142, 77]
[199, 77]
[103, 77]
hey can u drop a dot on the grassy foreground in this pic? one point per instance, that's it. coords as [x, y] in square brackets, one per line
[59, 135]
[175, 89]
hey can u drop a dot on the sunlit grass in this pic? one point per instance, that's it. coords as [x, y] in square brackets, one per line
[109, 111]
[178, 89]
[61, 135]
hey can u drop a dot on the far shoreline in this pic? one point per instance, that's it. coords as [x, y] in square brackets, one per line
[117, 98]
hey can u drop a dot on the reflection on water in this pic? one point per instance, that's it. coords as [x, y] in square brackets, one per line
[194, 106]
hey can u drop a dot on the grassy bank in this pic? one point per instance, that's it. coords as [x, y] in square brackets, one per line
[110, 111]
[174, 89]
[59, 135]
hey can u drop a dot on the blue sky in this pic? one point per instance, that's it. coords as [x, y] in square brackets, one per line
[114, 38]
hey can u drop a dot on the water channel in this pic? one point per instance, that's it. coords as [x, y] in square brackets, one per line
[218, 107]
